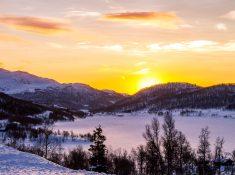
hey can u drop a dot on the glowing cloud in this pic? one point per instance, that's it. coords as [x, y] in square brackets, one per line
[34, 24]
[160, 19]
[142, 71]
[221, 27]
[147, 82]
[77, 13]
[230, 15]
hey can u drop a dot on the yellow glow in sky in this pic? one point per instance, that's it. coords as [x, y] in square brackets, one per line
[147, 82]
[120, 45]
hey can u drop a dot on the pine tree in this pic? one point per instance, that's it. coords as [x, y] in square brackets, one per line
[98, 151]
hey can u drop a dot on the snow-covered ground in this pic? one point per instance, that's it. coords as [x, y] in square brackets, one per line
[125, 130]
[13, 162]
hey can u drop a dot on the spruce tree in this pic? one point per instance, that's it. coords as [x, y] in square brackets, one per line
[98, 151]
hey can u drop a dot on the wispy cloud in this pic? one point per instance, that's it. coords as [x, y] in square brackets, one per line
[77, 13]
[230, 15]
[160, 19]
[141, 63]
[221, 26]
[142, 71]
[197, 45]
[34, 24]
[111, 47]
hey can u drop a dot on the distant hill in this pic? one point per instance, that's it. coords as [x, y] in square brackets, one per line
[29, 113]
[177, 95]
[48, 92]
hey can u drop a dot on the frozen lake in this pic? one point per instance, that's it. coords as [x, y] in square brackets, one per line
[126, 131]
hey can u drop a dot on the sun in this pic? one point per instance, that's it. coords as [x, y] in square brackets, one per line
[147, 82]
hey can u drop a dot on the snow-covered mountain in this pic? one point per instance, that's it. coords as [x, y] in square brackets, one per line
[14, 162]
[72, 96]
[75, 96]
[18, 82]
[177, 95]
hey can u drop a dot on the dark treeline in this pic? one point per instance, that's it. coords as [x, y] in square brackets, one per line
[168, 153]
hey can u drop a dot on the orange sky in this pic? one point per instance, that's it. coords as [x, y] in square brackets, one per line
[120, 45]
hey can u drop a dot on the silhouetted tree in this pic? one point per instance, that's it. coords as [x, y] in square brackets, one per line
[98, 151]
[46, 141]
[184, 156]
[169, 140]
[121, 163]
[204, 152]
[218, 153]
[76, 159]
[140, 156]
[154, 160]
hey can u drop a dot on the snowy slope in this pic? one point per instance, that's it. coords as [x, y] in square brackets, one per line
[18, 81]
[13, 162]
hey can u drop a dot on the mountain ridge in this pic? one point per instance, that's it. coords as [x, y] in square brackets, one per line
[176, 95]
[78, 96]
[44, 91]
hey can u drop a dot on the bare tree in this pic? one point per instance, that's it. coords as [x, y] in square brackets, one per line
[140, 156]
[169, 143]
[218, 153]
[204, 152]
[184, 156]
[154, 160]
[46, 139]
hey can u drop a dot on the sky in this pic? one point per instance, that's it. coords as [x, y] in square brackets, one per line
[122, 45]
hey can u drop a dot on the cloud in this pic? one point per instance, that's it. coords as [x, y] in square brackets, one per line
[221, 26]
[77, 13]
[195, 46]
[141, 63]
[112, 47]
[160, 19]
[34, 24]
[117, 47]
[55, 45]
[142, 71]
[230, 15]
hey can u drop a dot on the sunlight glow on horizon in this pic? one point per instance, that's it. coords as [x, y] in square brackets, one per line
[119, 45]
[148, 82]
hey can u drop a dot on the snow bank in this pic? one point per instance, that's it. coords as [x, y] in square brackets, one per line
[13, 162]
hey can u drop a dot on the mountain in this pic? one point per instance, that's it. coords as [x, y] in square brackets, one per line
[29, 113]
[177, 95]
[72, 96]
[48, 92]
[218, 96]
[18, 82]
